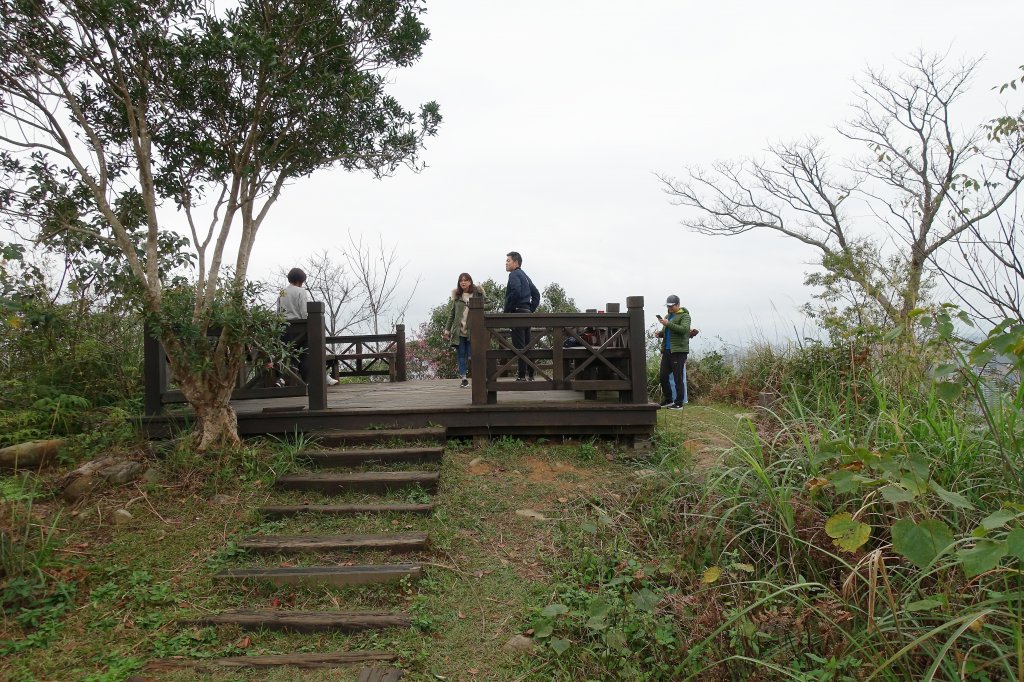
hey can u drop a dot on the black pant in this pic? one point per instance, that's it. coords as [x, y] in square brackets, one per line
[520, 340]
[672, 363]
[298, 339]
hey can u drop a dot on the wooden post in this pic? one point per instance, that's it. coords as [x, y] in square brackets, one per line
[612, 308]
[316, 381]
[637, 350]
[154, 371]
[400, 352]
[478, 349]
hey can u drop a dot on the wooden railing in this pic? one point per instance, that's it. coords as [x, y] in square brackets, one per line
[378, 354]
[610, 355]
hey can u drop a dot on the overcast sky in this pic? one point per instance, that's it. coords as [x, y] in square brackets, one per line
[558, 113]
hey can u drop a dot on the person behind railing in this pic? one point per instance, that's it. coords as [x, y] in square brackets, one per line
[292, 303]
[521, 296]
[674, 349]
[457, 329]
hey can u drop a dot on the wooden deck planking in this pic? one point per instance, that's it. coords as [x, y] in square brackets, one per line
[416, 404]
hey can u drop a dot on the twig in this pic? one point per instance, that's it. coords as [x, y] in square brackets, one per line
[150, 505]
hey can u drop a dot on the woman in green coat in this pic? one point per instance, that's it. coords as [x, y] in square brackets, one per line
[457, 330]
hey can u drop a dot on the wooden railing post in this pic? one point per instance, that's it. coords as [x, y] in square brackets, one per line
[316, 381]
[154, 372]
[612, 308]
[637, 350]
[478, 345]
[400, 352]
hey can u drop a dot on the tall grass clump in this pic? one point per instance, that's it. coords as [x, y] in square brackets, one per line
[868, 525]
[879, 505]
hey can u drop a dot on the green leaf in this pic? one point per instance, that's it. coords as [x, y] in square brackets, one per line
[645, 600]
[746, 568]
[589, 527]
[949, 497]
[559, 645]
[923, 605]
[1015, 543]
[615, 639]
[948, 390]
[598, 608]
[920, 543]
[846, 481]
[554, 610]
[944, 370]
[543, 630]
[998, 519]
[982, 358]
[984, 556]
[846, 532]
[895, 494]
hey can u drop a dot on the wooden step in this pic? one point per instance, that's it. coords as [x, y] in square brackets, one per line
[325, 575]
[379, 675]
[353, 458]
[328, 660]
[370, 481]
[304, 621]
[276, 511]
[335, 437]
[389, 542]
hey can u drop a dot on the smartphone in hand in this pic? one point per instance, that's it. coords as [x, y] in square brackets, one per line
[658, 316]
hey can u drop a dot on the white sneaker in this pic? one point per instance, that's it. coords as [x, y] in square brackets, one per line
[331, 381]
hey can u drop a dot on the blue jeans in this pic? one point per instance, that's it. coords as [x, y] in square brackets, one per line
[686, 393]
[463, 353]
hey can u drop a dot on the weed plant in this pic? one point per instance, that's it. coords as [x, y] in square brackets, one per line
[868, 528]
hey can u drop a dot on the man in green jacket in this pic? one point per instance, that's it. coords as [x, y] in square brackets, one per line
[674, 349]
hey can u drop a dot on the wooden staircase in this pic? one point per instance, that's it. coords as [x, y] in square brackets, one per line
[341, 450]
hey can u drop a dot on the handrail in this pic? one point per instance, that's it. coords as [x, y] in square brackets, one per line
[614, 358]
[157, 391]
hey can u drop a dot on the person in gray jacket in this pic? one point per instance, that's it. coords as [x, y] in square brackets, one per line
[521, 296]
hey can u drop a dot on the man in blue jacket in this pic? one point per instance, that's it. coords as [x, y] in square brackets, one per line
[521, 296]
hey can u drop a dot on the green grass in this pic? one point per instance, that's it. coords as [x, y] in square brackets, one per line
[488, 570]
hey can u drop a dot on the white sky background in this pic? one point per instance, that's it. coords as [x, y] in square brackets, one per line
[557, 114]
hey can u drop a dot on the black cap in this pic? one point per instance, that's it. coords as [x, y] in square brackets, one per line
[672, 300]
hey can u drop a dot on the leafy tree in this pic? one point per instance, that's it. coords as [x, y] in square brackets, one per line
[553, 299]
[880, 220]
[115, 111]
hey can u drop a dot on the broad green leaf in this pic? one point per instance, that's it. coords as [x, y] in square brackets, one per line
[998, 519]
[984, 556]
[914, 483]
[949, 497]
[846, 532]
[982, 358]
[846, 481]
[615, 639]
[598, 608]
[645, 600]
[554, 610]
[597, 623]
[920, 543]
[559, 645]
[711, 575]
[543, 630]
[589, 527]
[944, 370]
[948, 390]
[923, 605]
[894, 494]
[1015, 543]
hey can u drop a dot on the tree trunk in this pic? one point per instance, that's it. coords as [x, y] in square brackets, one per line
[209, 394]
